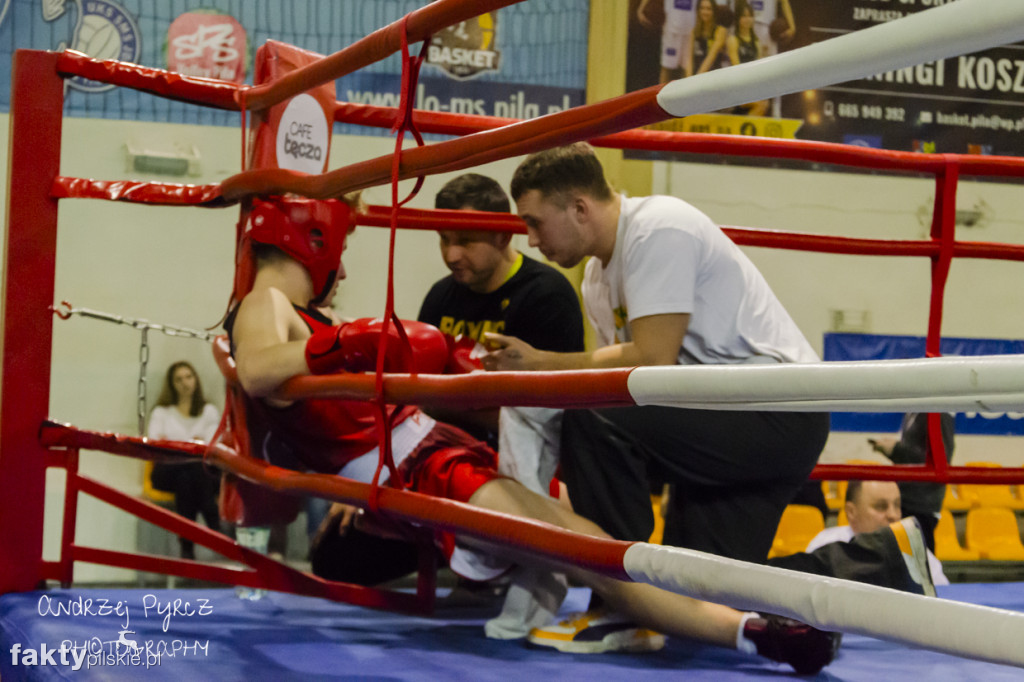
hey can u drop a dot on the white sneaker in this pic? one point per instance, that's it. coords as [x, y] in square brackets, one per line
[596, 632]
[915, 552]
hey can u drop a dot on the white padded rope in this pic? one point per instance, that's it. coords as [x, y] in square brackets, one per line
[967, 630]
[953, 29]
[983, 383]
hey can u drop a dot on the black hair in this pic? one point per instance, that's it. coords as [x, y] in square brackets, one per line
[476, 191]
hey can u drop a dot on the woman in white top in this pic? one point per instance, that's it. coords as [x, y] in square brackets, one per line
[182, 413]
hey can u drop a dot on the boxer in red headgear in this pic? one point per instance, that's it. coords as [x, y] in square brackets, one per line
[311, 232]
[278, 331]
[282, 328]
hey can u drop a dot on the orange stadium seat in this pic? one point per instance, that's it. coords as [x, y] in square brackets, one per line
[947, 544]
[979, 495]
[798, 526]
[993, 533]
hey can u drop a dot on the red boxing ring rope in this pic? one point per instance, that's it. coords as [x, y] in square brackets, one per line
[556, 545]
[36, 121]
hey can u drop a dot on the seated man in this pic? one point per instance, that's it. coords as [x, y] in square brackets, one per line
[495, 288]
[871, 505]
[279, 331]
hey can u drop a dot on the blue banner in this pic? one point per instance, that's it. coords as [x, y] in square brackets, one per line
[839, 347]
[522, 61]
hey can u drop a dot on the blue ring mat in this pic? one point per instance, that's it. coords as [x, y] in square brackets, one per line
[287, 637]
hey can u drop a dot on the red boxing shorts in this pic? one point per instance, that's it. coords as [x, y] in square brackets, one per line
[450, 463]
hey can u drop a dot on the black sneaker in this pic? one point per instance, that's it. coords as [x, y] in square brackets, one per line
[785, 640]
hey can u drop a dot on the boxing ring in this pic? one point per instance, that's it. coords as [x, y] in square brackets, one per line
[31, 443]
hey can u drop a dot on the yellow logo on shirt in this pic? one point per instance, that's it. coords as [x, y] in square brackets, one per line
[474, 330]
[621, 317]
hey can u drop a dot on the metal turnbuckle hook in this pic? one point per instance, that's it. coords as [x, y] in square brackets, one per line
[62, 314]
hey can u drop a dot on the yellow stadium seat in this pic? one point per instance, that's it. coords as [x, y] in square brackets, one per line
[947, 544]
[993, 533]
[151, 493]
[841, 519]
[1000, 495]
[954, 501]
[798, 526]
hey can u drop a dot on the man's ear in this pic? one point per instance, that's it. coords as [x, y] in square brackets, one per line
[502, 240]
[581, 207]
[851, 510]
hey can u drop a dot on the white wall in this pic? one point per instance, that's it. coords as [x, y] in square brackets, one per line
[174, 266]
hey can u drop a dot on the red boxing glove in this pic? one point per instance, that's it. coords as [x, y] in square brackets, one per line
[353, 347]
[461, 358]
[429, 347]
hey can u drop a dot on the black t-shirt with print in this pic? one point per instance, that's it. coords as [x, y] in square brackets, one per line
[537, 304]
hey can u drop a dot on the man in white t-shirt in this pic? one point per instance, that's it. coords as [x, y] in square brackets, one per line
[871, 505]
[665, 286]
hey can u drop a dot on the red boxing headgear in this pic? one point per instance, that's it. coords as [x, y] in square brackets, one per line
[312, 231]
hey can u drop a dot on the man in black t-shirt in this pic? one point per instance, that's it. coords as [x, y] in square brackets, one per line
[495, 288]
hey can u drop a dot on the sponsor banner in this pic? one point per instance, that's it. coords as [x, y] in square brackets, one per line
[728, 124]
[466, 49]
[302, 136]
[523, 61]
[972, 104]
[840, 347]
[104, 30]
[483, 98]
[208, 44]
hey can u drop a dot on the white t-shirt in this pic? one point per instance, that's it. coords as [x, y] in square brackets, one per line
[670, 258]
[167, 423]
[845, 534]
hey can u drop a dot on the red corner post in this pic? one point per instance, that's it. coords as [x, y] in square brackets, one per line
[37, 104]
